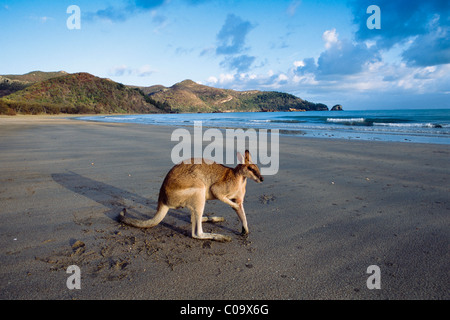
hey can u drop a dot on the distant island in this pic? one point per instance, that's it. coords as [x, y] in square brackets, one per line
[40, 92]
[337, 107]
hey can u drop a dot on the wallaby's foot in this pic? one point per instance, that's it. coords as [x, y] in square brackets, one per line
[212, 236]
[213, 219]
[244, 232]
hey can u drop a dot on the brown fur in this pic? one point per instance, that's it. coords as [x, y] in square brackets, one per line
[189, 185]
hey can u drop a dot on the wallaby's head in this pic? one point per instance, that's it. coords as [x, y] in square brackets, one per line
[248, 169]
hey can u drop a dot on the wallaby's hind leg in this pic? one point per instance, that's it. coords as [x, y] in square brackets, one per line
[197, 208]
[197, 229]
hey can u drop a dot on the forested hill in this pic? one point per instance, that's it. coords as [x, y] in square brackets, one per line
[59, 92]
[77, 93]
[189, 96]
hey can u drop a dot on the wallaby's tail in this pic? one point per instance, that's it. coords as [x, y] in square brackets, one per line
[160, 214]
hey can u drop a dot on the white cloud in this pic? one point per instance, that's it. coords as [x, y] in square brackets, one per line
[119, 71]
[300, 63]
[304, 80]
[330, 37]
[123, 70]
[144, 71]
[357, 90]
[282, 77]
[212, 80]
[344, 57]
[226, 78]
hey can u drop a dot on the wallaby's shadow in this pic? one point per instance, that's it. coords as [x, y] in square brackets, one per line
[114, 199]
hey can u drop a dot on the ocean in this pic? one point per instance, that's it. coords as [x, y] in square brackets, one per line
[419, 126]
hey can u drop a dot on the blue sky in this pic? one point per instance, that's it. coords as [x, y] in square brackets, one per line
[321, 51]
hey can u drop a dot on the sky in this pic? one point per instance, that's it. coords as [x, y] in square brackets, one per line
[334, 52]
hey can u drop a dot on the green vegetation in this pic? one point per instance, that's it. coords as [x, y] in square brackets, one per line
[164, 106]
[11, 83]
[12, 108]
[279, 101]
[82, 93]
[35, 76]
[188, 96]
[75, 94]
[8, 86]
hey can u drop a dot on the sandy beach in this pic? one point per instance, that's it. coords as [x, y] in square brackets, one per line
[335, 208]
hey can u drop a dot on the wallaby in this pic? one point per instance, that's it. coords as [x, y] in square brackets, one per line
[189, 185]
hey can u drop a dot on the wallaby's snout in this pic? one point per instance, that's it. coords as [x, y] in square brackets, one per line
[252, 171]
[257, 177]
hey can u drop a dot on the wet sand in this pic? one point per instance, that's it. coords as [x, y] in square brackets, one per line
[334, 208]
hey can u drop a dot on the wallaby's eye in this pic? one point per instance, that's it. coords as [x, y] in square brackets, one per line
[253, 171]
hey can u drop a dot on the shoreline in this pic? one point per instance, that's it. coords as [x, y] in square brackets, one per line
[30, 119]
[313, 129]
[334, 208]
[316, 133]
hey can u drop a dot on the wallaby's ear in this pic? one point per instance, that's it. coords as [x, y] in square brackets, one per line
[248, 157]
[240, 158]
